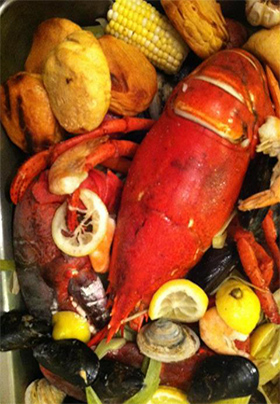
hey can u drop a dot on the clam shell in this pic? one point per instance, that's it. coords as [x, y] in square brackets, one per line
[42, 392]
[167, 341]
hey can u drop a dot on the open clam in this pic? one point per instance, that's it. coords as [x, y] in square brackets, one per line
[167, 341]
[41, 391]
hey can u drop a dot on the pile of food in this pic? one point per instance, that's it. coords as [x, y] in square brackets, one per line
[149, 267]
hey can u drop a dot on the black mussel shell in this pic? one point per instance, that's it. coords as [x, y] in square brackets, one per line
[257, 179]
[70, 359]
[222, 377]
[257, 398]
[21, 330]
[117, 382]
[214, 267]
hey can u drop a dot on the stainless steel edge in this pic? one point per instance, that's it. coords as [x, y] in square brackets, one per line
[19, 19]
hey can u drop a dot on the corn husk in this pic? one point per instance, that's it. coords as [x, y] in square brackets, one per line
[200, 23]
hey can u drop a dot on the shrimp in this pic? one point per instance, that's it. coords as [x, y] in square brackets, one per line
[218, 336]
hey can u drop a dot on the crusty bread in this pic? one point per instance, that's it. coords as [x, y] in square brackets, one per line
[26, 113]
[265, 45]
[134, 78]
[77, 78]
[47, 36]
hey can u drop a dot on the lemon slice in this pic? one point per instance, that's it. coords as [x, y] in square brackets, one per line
[179, 300]
[264, 339]
[90, 231]
[168, 395]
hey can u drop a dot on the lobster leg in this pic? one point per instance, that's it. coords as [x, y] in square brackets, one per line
[39, 162]
[119, 164]
[26, 173]
[262, 199]
[270, 234]
[71, 168]
[257, 265]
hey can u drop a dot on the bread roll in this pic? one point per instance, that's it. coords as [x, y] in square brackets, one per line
[26, 113]
[134, 79]
[47, 36]
[77, 78]
[265, 45]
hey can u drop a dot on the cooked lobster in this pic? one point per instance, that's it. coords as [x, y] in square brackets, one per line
[184, 179]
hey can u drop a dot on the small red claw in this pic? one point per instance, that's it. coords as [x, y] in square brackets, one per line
[251, 264]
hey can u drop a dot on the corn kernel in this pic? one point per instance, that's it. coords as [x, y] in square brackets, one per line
[150, 36]
[116, 6]
[148, 25]
[138, 29]
[138, 22]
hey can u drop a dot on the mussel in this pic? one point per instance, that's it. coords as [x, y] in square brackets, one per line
[222, 377]
[117, 382]
[257, 179]
[167, 341]
[21, 330]
[215, 266]
[257, 398]
[71, 359]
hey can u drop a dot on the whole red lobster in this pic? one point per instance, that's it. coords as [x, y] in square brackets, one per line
[184, 180]
[186, 177]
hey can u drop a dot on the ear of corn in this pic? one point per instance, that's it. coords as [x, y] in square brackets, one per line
[140, 24]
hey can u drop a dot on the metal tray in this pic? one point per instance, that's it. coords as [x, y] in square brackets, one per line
[19, 19]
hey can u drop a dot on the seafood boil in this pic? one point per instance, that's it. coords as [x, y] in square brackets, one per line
[147, 250]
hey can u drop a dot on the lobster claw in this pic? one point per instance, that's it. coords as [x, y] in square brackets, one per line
[40, 161]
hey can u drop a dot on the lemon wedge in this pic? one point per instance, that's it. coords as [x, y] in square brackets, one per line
[90, 231]
[70, 325]
[179, 300]
[264, 339]
[238, 306]
[168, 395]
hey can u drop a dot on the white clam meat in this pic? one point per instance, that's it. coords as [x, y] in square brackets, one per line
[167, 341]
[42, 392]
